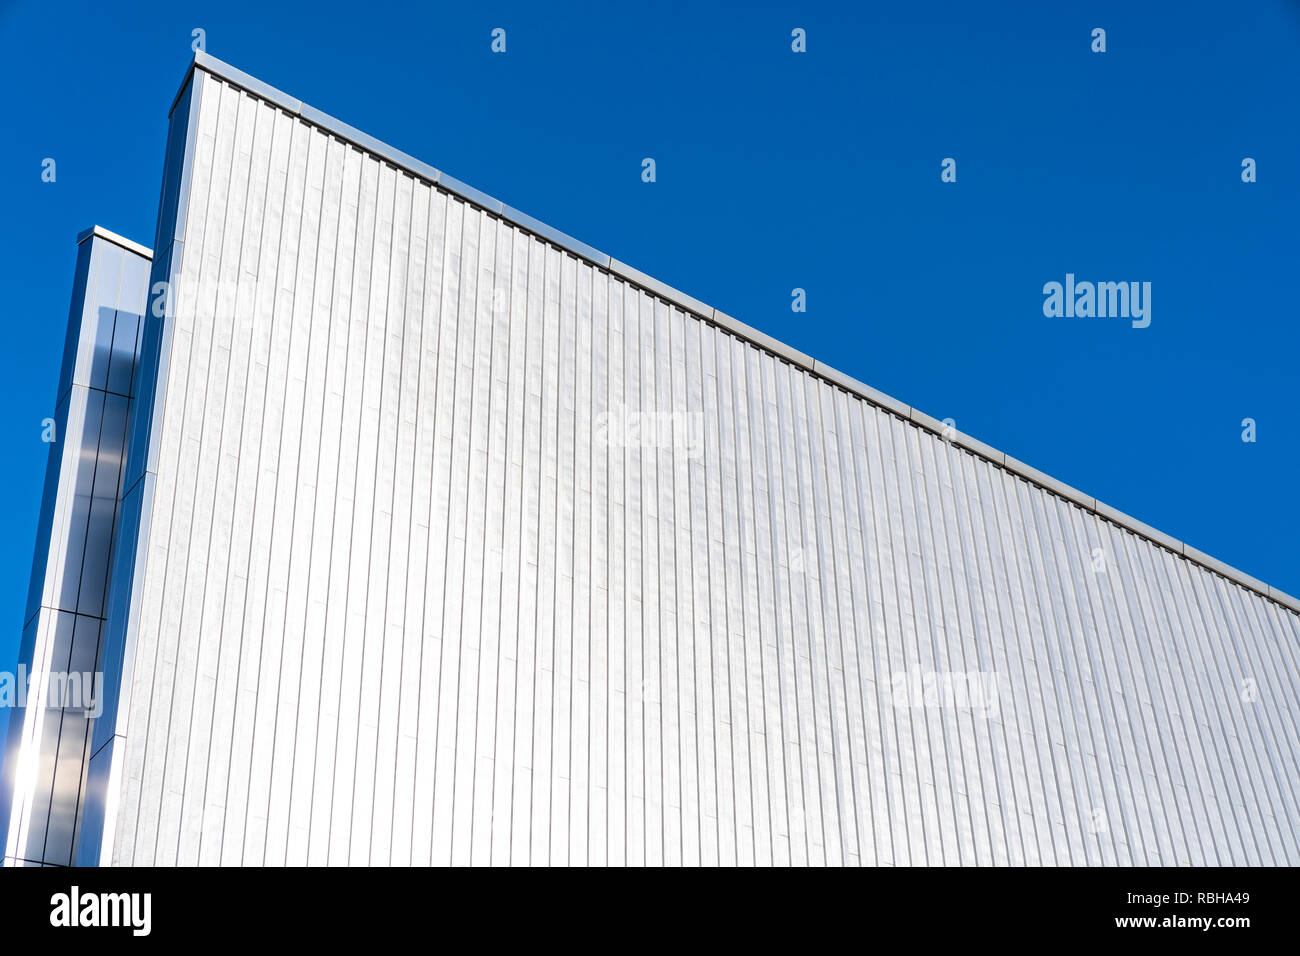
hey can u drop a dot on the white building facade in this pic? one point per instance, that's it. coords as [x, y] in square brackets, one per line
[443, 538]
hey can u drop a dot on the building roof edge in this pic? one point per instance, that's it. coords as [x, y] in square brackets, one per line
[693, 306]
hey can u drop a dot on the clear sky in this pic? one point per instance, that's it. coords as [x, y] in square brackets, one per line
[776, 170]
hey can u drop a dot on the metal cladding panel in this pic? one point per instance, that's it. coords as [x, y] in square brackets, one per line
[464, 549]
[128, 562]
[41, 792]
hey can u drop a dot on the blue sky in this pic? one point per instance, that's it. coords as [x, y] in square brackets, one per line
[778, 170]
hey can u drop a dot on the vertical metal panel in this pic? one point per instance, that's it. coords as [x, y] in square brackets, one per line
[423, 579]
[42, 789]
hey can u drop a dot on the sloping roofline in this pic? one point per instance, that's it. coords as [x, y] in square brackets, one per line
[210, 64]
[143, 252]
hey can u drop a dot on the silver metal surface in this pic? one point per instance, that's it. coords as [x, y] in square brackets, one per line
[44, 761]
[552, 235]
[207, 63]
[465, 191]
[387, 587]
[661, 289]
[398, 586]
[738, 328]
[129, 245]
[153, 370]
[1043, 481]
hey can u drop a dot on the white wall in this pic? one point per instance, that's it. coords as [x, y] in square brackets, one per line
[404, 602]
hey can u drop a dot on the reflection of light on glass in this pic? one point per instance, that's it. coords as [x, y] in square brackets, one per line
[20, 812]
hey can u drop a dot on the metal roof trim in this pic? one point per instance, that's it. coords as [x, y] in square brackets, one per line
[144, 252]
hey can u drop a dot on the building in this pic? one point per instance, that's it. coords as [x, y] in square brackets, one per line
[67, 602]
[442, 537]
